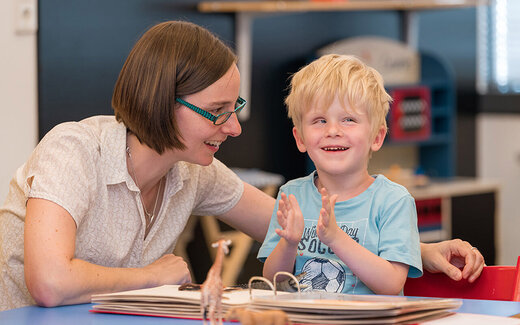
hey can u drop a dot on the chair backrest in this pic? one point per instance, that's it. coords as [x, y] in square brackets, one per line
[495, 283]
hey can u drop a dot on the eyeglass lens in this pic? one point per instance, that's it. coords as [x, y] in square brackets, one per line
[225, 116]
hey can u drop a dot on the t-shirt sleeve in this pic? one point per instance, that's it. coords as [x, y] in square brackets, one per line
[219, 189]
[62, 168]
[271, 238]
[399, 236]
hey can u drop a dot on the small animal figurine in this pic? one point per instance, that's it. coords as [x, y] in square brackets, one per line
[211, 290]
[250, 317]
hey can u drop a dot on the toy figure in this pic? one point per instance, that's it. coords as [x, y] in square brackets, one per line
[211, 291]
[250, 317]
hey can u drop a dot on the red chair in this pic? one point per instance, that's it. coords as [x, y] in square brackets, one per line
[495, 283]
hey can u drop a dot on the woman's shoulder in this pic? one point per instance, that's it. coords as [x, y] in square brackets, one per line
[91, 126]
[81, 141]
[87, 133]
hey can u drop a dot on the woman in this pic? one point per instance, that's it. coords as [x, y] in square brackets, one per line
[100, 203]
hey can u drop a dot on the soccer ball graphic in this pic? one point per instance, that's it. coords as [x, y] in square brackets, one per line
[323, 275]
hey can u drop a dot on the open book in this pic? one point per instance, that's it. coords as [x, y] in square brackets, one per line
[305, 307]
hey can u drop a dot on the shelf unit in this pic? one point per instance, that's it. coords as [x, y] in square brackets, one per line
[445, 209]
[436, 152]
[298, 6]
[246, 11]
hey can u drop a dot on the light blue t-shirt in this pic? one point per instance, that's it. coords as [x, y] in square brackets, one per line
[382, 219]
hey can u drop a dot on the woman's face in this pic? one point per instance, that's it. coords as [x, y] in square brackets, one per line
[201, 137]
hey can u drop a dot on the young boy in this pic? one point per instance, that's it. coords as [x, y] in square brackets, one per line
[348, 231]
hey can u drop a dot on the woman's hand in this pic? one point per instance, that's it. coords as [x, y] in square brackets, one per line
[169, 269]
[290, 218]
[450, 256]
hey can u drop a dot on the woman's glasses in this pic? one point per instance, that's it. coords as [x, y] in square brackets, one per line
[216, 119]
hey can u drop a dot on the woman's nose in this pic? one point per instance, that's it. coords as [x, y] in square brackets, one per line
[232, 126]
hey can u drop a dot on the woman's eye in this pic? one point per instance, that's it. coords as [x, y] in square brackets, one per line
[216, 111]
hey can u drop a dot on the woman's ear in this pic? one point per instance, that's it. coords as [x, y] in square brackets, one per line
[379, 139]
[299, 140]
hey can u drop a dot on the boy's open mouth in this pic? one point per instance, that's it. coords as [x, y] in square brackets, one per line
[336, 148]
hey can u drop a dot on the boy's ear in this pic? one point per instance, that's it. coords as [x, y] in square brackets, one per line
[379, 139]
[299, 140]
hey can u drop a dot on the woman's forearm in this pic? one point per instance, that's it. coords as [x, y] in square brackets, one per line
[252, 213]
[76, 281]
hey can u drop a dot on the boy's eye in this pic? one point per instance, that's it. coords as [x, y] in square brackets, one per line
[320, 121]
[349, 119]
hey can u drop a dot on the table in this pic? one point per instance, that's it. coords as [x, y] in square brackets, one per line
[80, 315]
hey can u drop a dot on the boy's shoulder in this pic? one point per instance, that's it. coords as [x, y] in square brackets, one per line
[305, 182]
[386, 185]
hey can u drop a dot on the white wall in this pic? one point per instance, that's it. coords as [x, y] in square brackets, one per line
[498, 157]
[18, 86]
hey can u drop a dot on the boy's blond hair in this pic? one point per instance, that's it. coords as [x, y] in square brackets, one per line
[318, 83]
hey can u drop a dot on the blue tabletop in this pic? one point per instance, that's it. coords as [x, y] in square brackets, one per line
[81, 315]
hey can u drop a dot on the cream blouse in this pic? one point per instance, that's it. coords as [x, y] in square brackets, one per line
[81, 166]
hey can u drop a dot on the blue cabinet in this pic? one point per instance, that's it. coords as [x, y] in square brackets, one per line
[436, 151]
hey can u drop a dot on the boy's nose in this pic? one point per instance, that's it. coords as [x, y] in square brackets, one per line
[333, 129]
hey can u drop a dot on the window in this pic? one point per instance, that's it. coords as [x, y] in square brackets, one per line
[498, 47]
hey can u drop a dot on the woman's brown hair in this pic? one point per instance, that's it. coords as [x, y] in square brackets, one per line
[172, 59]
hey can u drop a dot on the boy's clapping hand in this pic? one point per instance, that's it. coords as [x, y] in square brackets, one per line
[290, 219]
[328, 229]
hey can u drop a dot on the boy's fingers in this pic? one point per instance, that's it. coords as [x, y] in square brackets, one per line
[281, 205]
[283, 202]
[280, 232]
[332, 205]
[325, 203]
[323, 193]
[289, 202]
[293, 202]
[281, 219]
[333, 200]
[324, 217]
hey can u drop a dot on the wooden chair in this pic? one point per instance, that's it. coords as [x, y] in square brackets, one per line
[240, 243]
[495, 283]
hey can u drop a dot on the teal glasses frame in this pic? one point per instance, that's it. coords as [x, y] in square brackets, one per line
[216, 119]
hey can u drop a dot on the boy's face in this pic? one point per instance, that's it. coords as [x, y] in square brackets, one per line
[338, 139]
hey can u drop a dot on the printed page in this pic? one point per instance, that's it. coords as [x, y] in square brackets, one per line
[171, 293]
